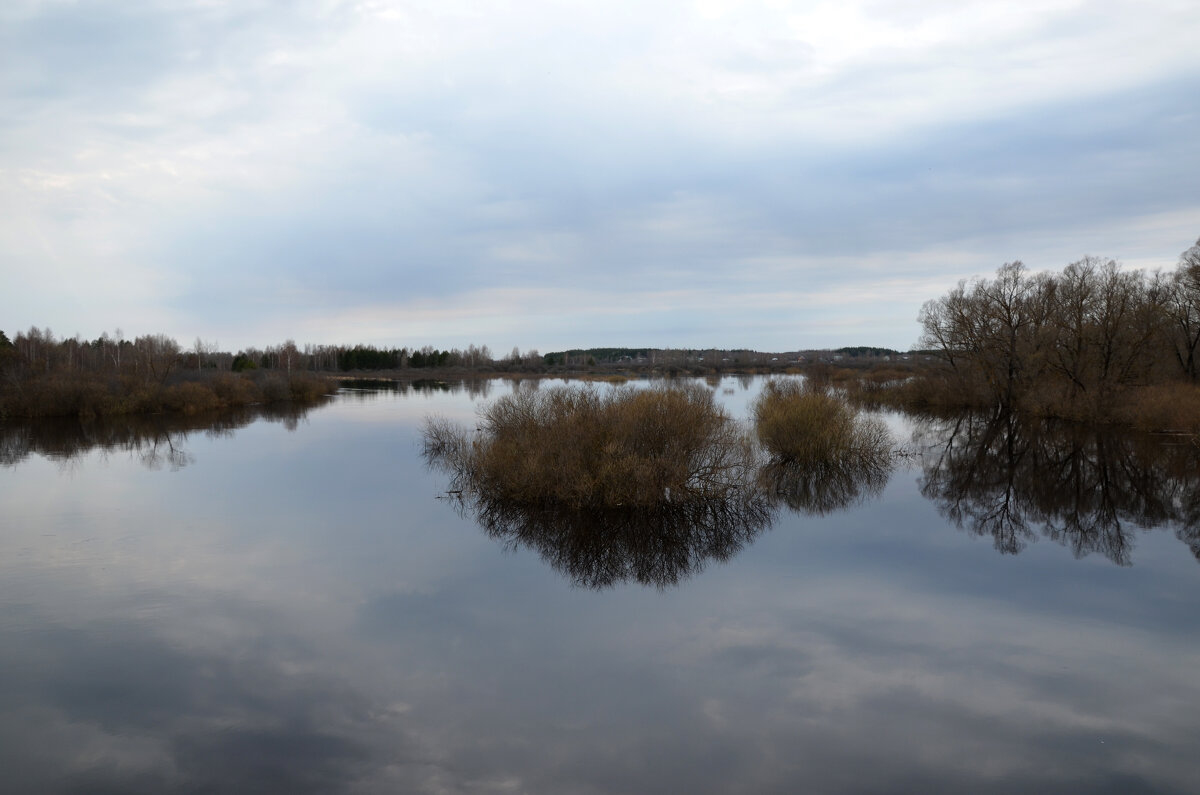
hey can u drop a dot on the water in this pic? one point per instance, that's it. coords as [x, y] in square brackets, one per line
[285, 604]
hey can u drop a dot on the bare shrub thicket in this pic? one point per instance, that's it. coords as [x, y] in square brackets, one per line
[583, 447]
[810, 426]
[823, 454]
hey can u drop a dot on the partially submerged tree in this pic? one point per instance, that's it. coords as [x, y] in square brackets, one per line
[1068, 343]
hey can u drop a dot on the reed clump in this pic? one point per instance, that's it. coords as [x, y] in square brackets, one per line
[810, 426]
[1173, 408]
[583, 448]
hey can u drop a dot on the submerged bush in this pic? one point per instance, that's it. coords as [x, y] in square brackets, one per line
[811, 427]
[824, 454]
[659, 545]
[585, 448]
[832, 486]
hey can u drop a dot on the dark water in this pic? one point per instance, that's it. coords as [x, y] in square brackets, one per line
[284, 604]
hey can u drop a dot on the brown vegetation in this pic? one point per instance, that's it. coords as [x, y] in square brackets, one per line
[542, 457]
[584, 448]
[1092, 342]
[824, 454]
[650, 484]
[802, 423]
[62, 394]
[1172, 408]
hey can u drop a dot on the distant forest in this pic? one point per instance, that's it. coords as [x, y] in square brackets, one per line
[157, 356]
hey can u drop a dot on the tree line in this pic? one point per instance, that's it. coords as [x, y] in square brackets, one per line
[1083, 342]
[44, 375]
[156, 356]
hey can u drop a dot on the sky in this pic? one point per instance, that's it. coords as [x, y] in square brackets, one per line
[547, 175]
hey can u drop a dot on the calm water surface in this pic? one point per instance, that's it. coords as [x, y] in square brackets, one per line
[284, 604]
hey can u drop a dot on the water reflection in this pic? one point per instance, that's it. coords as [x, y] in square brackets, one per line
[660, 545]
[643, 486]
[824, 489]
[365, 389]
[1084, 488]
[323, 626]
[665, 543]
[156, 441]
[607, 485]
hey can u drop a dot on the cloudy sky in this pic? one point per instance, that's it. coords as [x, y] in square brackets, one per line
[545, 174]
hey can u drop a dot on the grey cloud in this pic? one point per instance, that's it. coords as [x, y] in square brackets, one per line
[334, 178]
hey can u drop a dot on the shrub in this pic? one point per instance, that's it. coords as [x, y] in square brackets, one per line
[234, 390]
[583, 448]
[307, 388]
[1165, 407]
[274, 389]
[189, 397]
[808, 425]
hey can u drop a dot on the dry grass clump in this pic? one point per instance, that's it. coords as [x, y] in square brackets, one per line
[582, 448]
[1163, 407]
[234, 390]
[809, 426]
[189, 398]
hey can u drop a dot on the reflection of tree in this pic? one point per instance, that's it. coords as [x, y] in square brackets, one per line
[661, 545]
[1081, 487]
[156, 441]
[367, 389]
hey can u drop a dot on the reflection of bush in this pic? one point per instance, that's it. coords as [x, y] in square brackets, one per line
[582, 448]
[815, 433]
[659, 545]
[643, 485]
[827, 488]
[824, 454]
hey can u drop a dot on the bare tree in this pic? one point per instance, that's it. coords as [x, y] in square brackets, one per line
[1183, 310]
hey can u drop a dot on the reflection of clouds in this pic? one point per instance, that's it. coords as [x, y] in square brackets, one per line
[138, 714]
[764, 683]
[858, 673]
[314, 636]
